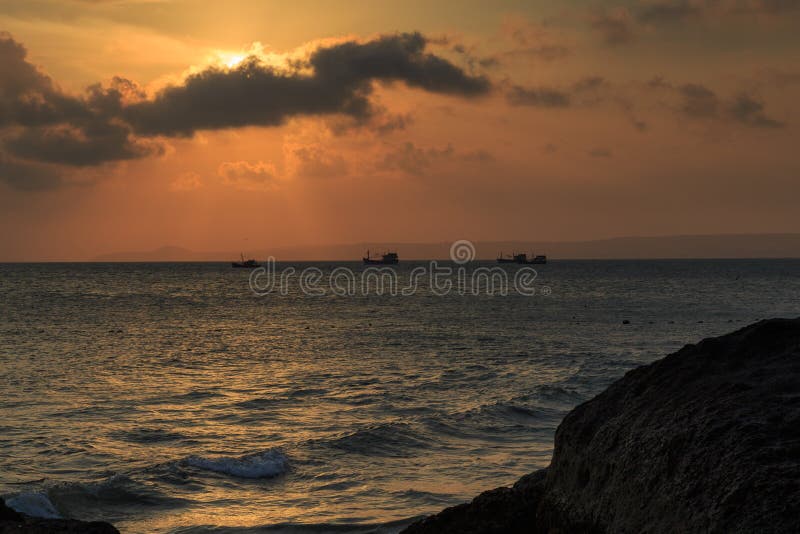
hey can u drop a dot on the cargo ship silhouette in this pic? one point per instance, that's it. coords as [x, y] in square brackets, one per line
[390, 258]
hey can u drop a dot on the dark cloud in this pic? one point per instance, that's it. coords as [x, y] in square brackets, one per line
[777, 6]
[478, 156]
[669, 11]
[658, 82]
[94, 143]
[39, 123]
[664, 12]
[390, 123]
[750, 111]
[28, 176]
[540, 97]
[589, 83]
[488, 62]
[698, 101]
[339, 82]
[615, 27]
[414, 160]
[640, 125]
[600, 152]
[380, 122]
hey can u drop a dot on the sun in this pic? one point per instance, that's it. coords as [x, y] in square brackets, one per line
[231, 60]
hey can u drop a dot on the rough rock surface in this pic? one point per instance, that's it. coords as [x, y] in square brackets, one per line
[704, 440]
[12, 521]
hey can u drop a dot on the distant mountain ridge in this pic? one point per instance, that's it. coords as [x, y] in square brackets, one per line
[679, 246]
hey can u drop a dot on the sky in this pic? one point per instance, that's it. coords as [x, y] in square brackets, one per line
[132, 125]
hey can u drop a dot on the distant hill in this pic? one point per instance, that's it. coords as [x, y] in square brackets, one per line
[682, 246]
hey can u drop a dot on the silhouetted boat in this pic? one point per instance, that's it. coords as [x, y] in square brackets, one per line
[538, 260]
[390, 258]
[522, 259]
[245, 264]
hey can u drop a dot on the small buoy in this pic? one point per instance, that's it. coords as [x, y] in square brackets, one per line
[626, 322]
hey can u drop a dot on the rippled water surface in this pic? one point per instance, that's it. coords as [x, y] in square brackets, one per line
[168, 397]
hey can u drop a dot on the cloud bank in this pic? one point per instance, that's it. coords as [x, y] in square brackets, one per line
[43, 129]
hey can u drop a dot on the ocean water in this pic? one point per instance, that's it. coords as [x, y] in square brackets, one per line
[170, 398]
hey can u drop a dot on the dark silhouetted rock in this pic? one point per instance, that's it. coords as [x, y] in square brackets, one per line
[704, 440]
[12, 521]
[9, 514]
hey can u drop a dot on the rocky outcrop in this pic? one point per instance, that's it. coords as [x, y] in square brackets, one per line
[12, 521]
[704, 440]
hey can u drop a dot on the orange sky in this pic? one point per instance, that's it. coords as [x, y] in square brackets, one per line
[257, 124]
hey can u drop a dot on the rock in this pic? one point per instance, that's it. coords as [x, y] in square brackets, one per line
[9, 514]
[14, 522]
[704, 440]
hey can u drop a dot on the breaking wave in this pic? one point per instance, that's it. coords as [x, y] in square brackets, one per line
[266, 464]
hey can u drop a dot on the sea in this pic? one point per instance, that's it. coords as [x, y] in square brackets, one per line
[172, 397]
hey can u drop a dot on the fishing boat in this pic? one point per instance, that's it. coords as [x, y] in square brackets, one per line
[245, 264]
[522, 259]
[538, 260]
[390, 258]
[506, 259]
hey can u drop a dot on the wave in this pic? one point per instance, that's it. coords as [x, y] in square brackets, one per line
[148, 435]
[107, 499]
[34, 503]
[392, 439]
[266, 464]
[391, 527]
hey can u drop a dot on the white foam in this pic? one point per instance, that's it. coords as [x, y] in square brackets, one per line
[35, 504]
[266, 464]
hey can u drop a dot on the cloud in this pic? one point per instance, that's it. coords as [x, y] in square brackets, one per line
[338, 81]
[478, 156]
[666, 12]
[92, 143]
[539, 97]
[782, 78]
[600, 152]
[774, 6]
[750, 111]
[40, 123]
[616, 27]
[313, 161]
[187, 181]
[28, 176]
[589, 83]
[258, 176]
[531, 40]
[412, 159]
[698, 101]
[381, 122]
[670, 11]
